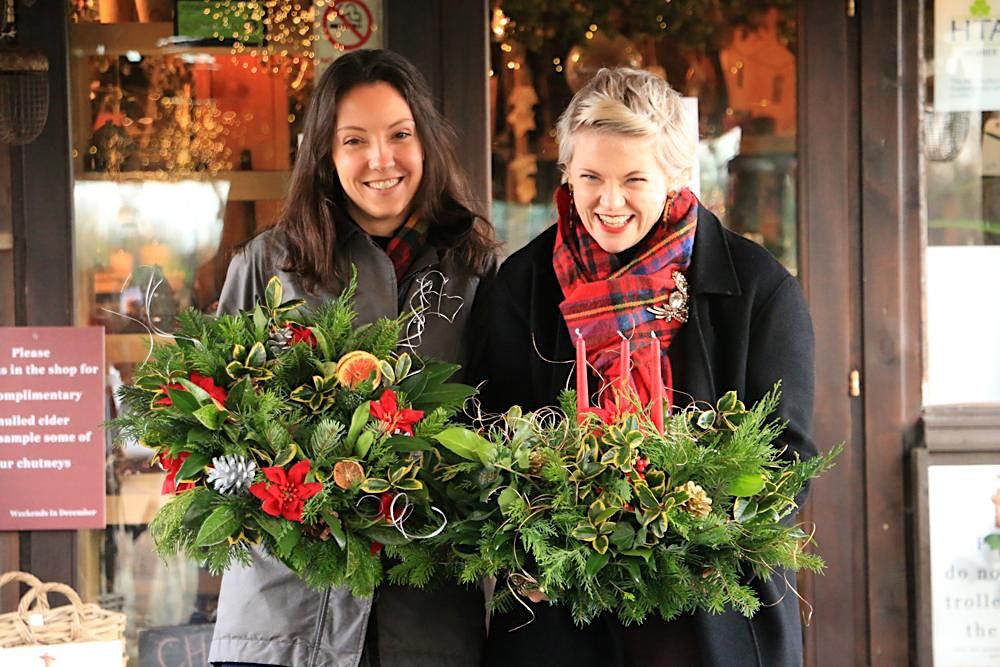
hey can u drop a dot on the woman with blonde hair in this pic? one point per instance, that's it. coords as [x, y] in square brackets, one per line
[633, 253]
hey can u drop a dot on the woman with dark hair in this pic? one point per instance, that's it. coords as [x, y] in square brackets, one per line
[634, 253]
[377, 186]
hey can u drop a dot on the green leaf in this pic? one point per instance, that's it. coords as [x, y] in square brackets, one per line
[595, 562]
[358, 421]
[272, 293]
[192, 467]
[270, 524]
[199, 394]
[727, 403]
[364, 443]
[259, 322]
[385, 534]
[211, 416]
[601, 544]
[746, 485]
[644, 554]
[744, 510]
[623, 536]
[219, 525]
[508, 499]
[467, 444]
[706, 419]
[183, 400]
[375, 485]
[336, 528]
[647, 498]
[289, 540]
[409, 484]
[321, 342]
[446, 394]
[408, 443]
[584, 532]
[257, 355]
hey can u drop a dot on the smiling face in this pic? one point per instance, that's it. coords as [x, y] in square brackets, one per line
[619, 188]
[377, 156]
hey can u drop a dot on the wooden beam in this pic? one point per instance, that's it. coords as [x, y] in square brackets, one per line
[892, 241]
[829, 268]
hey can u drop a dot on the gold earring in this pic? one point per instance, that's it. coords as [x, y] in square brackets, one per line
[671, 196]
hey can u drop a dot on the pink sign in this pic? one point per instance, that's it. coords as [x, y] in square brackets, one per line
[51, 440]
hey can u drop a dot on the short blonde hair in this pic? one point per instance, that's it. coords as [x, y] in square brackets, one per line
[632, 102]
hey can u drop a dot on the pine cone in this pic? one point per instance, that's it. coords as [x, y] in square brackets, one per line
[279, 340]
[231, 474]
[698, 502]
[536, 461]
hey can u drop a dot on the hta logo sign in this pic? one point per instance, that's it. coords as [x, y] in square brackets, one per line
[980, 28]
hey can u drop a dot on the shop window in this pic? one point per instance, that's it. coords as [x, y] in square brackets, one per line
[182, 147]
[961, 151]
[736, 60]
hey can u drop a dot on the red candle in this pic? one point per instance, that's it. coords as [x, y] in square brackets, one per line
[657, 408]
[624, 370]
[582, 399]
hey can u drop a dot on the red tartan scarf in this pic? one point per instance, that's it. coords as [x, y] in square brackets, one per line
[404, 245]
[603, 296]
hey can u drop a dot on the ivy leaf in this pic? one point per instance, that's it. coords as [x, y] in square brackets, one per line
[507, 499]
[219, 525]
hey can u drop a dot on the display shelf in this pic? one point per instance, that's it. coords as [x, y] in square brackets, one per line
[96, 39]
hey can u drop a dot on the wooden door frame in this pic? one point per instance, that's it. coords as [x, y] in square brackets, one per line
[41, 261]
[829, 269]
[861, 238]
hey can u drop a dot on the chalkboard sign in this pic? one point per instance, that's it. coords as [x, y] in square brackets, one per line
[175, 646]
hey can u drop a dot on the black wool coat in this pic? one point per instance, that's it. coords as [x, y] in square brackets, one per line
[748, 327]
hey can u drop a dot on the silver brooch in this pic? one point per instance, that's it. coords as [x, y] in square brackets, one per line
[676, 307]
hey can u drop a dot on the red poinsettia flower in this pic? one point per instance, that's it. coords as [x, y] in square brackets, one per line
[284, 493]
[172, 464]
[301, 334]
[207, 383]
[375, 548]
[386, 410]
[166, 400]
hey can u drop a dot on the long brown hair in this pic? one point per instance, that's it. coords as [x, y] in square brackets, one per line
[316, 201]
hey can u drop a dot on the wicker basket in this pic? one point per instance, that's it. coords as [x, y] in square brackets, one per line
[36, 622]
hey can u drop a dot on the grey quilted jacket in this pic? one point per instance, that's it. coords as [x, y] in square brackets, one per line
[266, 614]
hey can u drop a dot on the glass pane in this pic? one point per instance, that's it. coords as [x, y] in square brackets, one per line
[961, 149]
[181, 153]
[738, 63]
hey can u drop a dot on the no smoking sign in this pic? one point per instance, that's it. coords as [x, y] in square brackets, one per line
[348, 24]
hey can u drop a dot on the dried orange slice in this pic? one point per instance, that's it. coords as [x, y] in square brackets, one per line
[346, 473]
[356, 367]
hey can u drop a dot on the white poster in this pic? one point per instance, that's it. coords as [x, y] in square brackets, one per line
[91, 654]
[966, 55]
[964, 507]
[345, 25]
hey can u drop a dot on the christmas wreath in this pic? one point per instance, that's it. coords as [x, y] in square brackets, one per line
[606, 513]
[295, 430]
